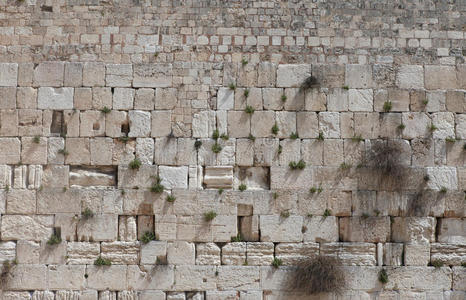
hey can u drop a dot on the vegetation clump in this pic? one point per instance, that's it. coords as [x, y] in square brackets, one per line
[383, 276]
[100, 261]
[301, 164]
[87, 213]
[147, 237]
[277, 262]
[157, 186]
[55, 238]
[135, 164]
[209, 216]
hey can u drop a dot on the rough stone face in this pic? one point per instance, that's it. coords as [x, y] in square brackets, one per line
[49, 74]
[20, 227]
[358, 229]
[413, 229]
[279, 229]
[452, 231]
[351, 254]
[55, 98]
[292, 75]
[8, 74]
[410, 77]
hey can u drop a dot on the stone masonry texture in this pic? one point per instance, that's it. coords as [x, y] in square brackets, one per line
[174, 150]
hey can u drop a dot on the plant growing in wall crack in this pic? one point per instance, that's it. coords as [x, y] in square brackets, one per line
[100, 261]
[209, 216]
[147, 237]
[157, 186]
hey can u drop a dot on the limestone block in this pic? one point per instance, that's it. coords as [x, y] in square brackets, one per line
[449, 254]
[333, 152]
[292, 75]
[416, 125]
[351, 254]
[266, 74]
[329, 124]
[101, 151]
[43, 295]
[128, 178]
[272, 98]
[174, 177]
[151, 295]
[203, 124]
[139, 123]
[161, 123]
[98, 228]
[8, 74]
[337, 100]
[121, 253]
[259, 254]
[181, 253]
[185, 154]
[26, 97]
[55, 176]
[288, 179]
[21, 201]
[71, 123]
[266, 152]
[33, 277]
[176, 296]
[371, 229]
[225, 99]
[73, 74]
[55, 98]
[119, 75]
[419, 278]
[227, 155]
[29, 122]
[144, 150]
[153, 252]
[249, 228]
[413, 229]
[294, 253]
[278, 229]
[114, 122]
[193, 278]
[238, 124]
[79, 151]
[238, 278]
[312, 151]
[9, 122]
[459, 279]
[384, 75]
[9, 96]
[452, 231]
[5, 178]
[262, 123]
[166, 98]
[410, 77]
[82, 253]
[127, 230]
[295, 99]
[144, 99]
[360, 100]
[107, 278]
[455, 101]
[218, 177]
[7, 251]
[358, 76]
[234, 254]
[291, 151]
[20, 177]
[32, 152]
[20, 227]
[219, 295]
[286, 122]
[440, 77]
[94, 74]
[321, 229]
[49, 74]
[166, 149]
[27, 252]
[366, 125]
[307, 125]
[393, 254]
[92, 123]
[152, 75]
[207, 254]
[123, 98]
[52, 254]
[442, 177]
[244, 152]
[445, 123]
[102, 97]
[255, 178]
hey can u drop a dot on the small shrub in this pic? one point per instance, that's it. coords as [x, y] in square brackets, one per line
[316, 275]
[36, 139]
[87, 213]
[308, 83]
[464, 147]
[209, 216]
[224, 137]
[100, 261]
[236, 239]
[232, 86]
[327, 213]
[285, 214]
[432, 128]
[275, 195]
[301, 164]
[383, 276]
[294, 136]
[157, 186]
[220, 191]
[216, 148]
[357, 138]
[135, 164]
[123, 139]
[197, 144]
[312, 190]
[275, 128]
[246, 93]
[319, 189]
[7, 188]
[283, 98]
[450, 140]
[345, 166]
[321, 136]
[242, 187]
[443, 190]
[437, 263]
[280, 149]
[426, 178]
[277, 262]
[425, 102]
[147, 237]
[55, 238]
[6, 270]
[345, 87]
[377, 212]
[463, 264]
[63, 152]
[170, 198]
[365, 215]
[105, 110]
[249, 109]
[244, 62]
[387, 106]
[251, 137]
[215, 134]
[401, 126]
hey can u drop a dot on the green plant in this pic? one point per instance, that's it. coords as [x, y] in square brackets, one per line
[197, 144]
[135, 164]
[443, 190]
[425, 102]
[209, 216]
[87, 213]
[251, 137]
[387, 106]
[236, 239]
[432, 128]
[377, 212]
[220, 191]
[383, 276]
[280, 149]
[275, 195]
[463, 264]
[357, 138]
[327, 213]
[450, 140]
[246, 93]
[244, 62]
[6, 270]
[312, 190]
[426, 178]
[65, 189]
[232, 86]
[365, 215]
[147, 237]
[345, 87]
[301, 164]
[242, 187]
[7, 188]
[170, 198]
[285, 214]
[249, 109]
[55, 238]
[216, 148]
[63, 152]
[437, 263]
[318, 274]
[283, 98]
[157, 186]
[401, 126]
[36, 139]
[294, 136]
[105, 110]
[275, 128]
[309, 215]
[215, 134]
[321, 136]
[345, 166]
[123, 139]
[100, 261]
[224, 137]
[277, 262]
[319, 189]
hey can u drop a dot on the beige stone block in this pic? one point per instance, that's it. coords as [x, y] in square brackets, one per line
[266, 74]
[83, 98]
[234, 254]
[312, 152]
[262, 123]
[121, 253]
[127, 228]
[244, 152]
[123, 98]
[195, 278]
[78, 151]
[291, 152]
[52, 254]
[21, 227]
[144, 99]
[459, 279]
[295, 99]
[393, 254]
[8, 122]
[73, 74]
[161, 123]
[413, 229]
[107, 278]
[21, 201]
[358, 76]
[273, 98]
[8, 74]
[337, 100]
[115, 123]
[33, 277]
[320, 229]
[101, 151]
[286, 122]
[49, 74]
[166, 98]
[32, 152]
[92, 123]
[440, 77]
[207, 254]
[149, 277]
[154, 252]
[249, 228]
[71, 123]
[419, 278]
[294, 253]
[26, 97]
[410, 77]
[8, 96]
[333, 152]
[351, 254]
[416, 125]
[260, 254]
[279, 229]
[93, 74]
[29, 122]
[238, 278]
[102, 97]
[307, 125]
[119, 75]
[329, 124]
[129, 178]
[55, 176]
[152, 75]
[315, 100]
[80, 253]
[98, 228]
[286, 178]
[266, 152]
[27, 252]
[449, 254]
[139, 123]
[451, 231]
[359, 229]
[238, 124]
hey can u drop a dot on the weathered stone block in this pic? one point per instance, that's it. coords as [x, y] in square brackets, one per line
[321, 229]
[358, 76]
[295, 253]
[278, 229]
[440, 77]
[238, 278]
[123, 98]
[98, 228]
[119, 75]
[20, 227]
[153, 252]
[152, 75]
[292, 75]
[452, 231]
[413, 229]
[81, 253]
[8, 74]
[10, 150]
[55, 98]
[410, 77]
[94, 74]
[139, 123]
[234, 254]
[124, 253]
[49, 74]
[351, 254]
[161, 123]
[371, 229]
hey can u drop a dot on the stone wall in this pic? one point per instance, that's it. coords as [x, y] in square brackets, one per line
[193, 144]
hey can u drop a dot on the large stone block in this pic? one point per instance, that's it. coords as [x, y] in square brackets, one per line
[123, 98]
[452, 231]
[55, 98]
[351, 254]
[181, 253]
[321, 229]
[49, 74]
[74, 274]
[139, 123]
[194, 278]
[358, 76]
[238, 278]
[142, 178]
[107, 277]
[413, 229]
[153, 252]
[295, 253]
[121, 253]
[82, 253]
[286, 178]
[119, 75]
[152, 75]
[279, 229]
[21, 227]
[234, 254]
[161, 123]
[174, 177]
[98, 228]
[150, 277]
[10, 150]
[418, 278]
[440, 77]
[94, 74]
[8, 74]
[410, 77]
[207, 254]
[19, 201]
[359, 229]
[292, 75]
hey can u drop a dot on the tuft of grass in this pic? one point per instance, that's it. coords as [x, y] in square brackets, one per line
[309, 215]
[345, 87]
[327, 213]
[432, 128]
[246, 93]
[320, 274]
[249, 109]
[450, 140]
[425, 102]
[321, 136]
[6, 270]
[147, 237]
[209, 216]
[383, 276]
[197, 144]
[55, 238]
[285, 214]
[220, 191]
[275, 195]
[280, 149]
[63, 152]
[357, 138]
[301, 164]
[426, 178]
[215, 134]
[312, 190]
[437, 264]
[277, 262]
[224, 137]
[283, 98]
[463, 264]
[87, 213]
[443, 190]
[464, 147]
[135, 164]
[100, 261]
[401, 126]
[294, 136]
[242, 187]
[170, 198]
[275, 129]
[365, 215]
[36, 139]
[251, 137]
[345, 166]
[216, 148]
[7, 188]
[387, 106]
[244, 62]
[232, 86]
[237, 239]
[105, 110]
[123, 139]
[157, 186]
